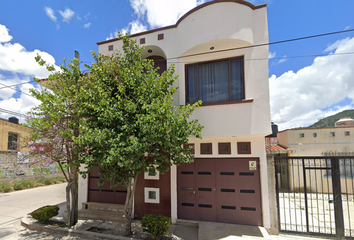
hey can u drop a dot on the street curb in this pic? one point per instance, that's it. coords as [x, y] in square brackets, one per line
[27, 222]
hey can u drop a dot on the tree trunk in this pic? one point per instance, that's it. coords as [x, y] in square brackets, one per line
[129, 206]
[67, 194]
[74, 215]
[72, 197]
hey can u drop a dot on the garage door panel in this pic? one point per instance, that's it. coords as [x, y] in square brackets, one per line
[226, 190]
[186, 191]
[206, 212]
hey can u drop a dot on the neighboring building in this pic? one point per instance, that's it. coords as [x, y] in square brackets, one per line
[11, 134]
[13, 156]
[330, 141]
[212, 49]
[322, 142]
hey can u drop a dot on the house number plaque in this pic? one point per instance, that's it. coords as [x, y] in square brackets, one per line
[252, 165]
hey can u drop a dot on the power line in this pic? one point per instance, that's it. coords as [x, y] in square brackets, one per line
[17, 84]
[266, 44]
[16, 90]
[12, 113]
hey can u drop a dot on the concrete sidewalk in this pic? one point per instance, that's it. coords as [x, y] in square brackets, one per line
[87, 229]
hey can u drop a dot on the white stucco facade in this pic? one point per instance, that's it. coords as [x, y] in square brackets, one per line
[213, 31]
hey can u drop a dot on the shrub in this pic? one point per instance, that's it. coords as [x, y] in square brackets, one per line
[45, 213]
[156, 225]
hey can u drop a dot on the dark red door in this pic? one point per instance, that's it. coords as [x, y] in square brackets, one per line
[220, 190]
[238, 192]
[186, 191]
[205, 190]
[104, 193]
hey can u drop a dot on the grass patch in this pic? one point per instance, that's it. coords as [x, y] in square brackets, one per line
[6, 187]
[23, 184]
[45, 181]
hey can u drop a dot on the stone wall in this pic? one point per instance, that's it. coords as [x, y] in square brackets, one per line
[15, 168]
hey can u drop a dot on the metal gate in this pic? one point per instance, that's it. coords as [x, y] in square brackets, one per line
[316, 195]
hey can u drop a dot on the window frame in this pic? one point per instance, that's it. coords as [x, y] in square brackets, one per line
[222, 144]
[229, 81]
[8, 141]
[210, 145]
[241, 144]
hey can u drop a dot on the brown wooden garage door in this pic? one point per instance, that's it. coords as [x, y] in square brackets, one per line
[220, 190]
[104, 193]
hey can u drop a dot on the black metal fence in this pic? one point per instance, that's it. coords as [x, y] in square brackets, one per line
[316, 195]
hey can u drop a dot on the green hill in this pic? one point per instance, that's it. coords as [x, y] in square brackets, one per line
[329, 121]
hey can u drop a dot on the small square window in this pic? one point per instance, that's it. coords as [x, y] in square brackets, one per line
[185, 146]
[151, 195]
[206, 148]
[314, 134]
[347, 133]
[160, 36]
[332, 134]
[142, 40]
[153, 174]
[244, 148]
[224, 148]
[110, 48]
[302, 135]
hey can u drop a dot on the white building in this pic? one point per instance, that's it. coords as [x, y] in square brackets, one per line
[216, 52]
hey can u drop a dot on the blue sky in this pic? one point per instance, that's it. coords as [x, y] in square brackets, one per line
[303, 85]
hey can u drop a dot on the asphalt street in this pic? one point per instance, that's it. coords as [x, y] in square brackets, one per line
[14, 205]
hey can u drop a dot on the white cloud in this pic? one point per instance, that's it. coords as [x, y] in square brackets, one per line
[21, 104]
[87, 15]
[158, 13]
[50, 13]
[16, 59]
[87, 25]
[4, 34]
[297, 98]
[17, 66]
[134, 27]
[67, 14]
[161, 13]
[272, 55]
[114, 34]
[282, 60]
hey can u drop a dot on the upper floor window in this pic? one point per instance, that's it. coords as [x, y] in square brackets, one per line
[314, 134]
[332, 134]
[215, 82]
[302, 135]
[347, 133]
[12, 141]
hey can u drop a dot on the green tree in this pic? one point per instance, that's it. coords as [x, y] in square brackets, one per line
[55, 123]
[130, 121]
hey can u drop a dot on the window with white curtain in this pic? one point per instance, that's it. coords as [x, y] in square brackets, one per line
[215, 82]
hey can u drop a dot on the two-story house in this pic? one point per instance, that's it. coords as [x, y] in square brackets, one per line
[220, 53]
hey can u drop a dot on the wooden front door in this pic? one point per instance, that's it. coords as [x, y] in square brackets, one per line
[104, 193]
